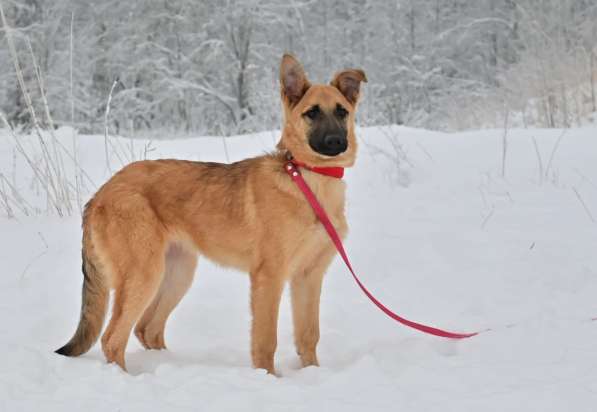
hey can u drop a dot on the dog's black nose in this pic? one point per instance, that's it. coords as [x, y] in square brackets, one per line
[335, 144]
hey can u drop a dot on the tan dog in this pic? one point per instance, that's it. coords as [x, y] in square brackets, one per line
[144, 228]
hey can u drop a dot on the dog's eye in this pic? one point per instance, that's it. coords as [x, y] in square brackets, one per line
[313, 112]
[341, 112]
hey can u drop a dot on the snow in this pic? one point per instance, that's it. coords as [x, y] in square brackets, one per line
[441, 239]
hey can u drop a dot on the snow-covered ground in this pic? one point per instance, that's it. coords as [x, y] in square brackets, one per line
[441, 238]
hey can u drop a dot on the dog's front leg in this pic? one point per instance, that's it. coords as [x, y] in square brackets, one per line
[305, 291]
[266, 291]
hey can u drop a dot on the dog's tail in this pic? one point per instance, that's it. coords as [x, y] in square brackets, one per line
[93, 310]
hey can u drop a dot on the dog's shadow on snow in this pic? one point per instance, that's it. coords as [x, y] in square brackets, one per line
[148, 361]
[140, 361]
[153, 362]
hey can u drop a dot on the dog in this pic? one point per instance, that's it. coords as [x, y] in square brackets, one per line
[145, 228]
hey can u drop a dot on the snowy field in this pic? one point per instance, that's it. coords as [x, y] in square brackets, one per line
[436, 233]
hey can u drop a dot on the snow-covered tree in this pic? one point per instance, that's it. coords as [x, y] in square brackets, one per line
[211, 66]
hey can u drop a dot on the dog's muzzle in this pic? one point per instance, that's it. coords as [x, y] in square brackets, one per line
[329, 145]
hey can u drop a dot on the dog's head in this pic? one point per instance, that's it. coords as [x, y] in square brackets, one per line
[319, 120]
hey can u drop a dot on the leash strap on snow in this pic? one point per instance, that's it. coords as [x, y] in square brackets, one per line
[296, 176]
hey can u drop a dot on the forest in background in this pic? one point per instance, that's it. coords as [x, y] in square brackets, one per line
[210, 67]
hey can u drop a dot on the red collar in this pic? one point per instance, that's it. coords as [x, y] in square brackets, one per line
[337, 172]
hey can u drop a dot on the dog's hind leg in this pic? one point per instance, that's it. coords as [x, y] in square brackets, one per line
[180, 271]
[305, 292]
[136, 255]
[131, 297]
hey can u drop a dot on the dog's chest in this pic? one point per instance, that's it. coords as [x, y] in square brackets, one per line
[312, 240]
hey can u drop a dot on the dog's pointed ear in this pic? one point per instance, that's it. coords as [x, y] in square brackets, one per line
[349, 83]
[293, 80]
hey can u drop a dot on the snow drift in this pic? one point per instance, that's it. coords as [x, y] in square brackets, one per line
[436, 232]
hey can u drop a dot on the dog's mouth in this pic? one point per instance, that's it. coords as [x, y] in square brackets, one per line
[330, 145]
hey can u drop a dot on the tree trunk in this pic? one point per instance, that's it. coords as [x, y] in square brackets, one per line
[593, 71]
[412, 27]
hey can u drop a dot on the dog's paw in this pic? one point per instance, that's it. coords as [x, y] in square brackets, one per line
[309, 359]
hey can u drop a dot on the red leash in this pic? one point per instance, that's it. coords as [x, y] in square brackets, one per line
[296, 176]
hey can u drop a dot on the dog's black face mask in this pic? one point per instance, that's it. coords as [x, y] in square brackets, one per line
[327, 132]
